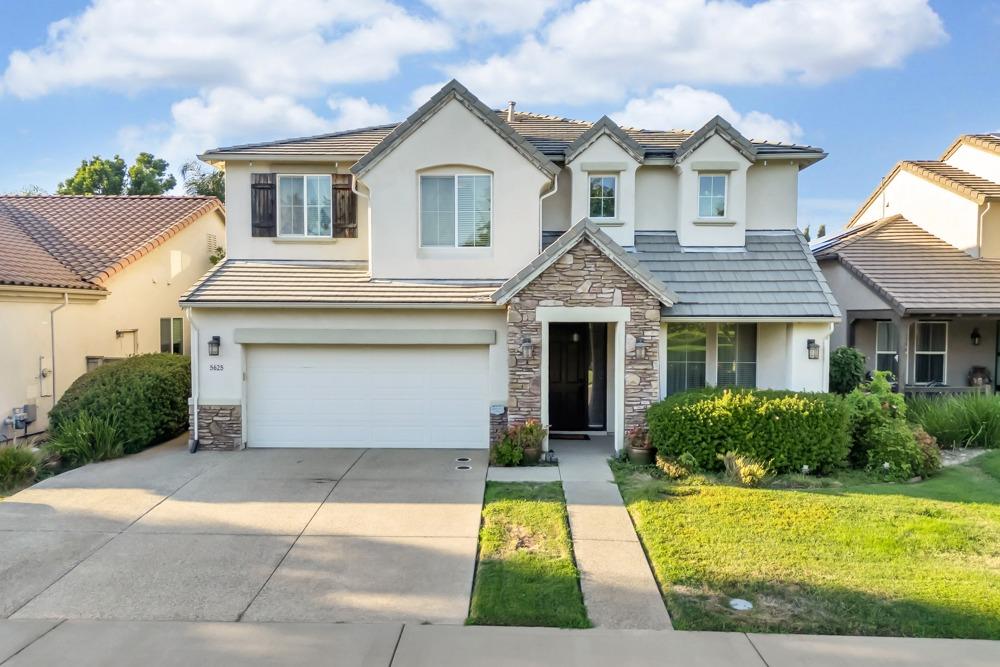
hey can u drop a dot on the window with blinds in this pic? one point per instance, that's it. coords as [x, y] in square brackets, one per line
[456, 211]
[737, 355]
[686, 356]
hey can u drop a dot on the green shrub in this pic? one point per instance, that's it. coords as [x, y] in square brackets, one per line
[930, 454]
[506, 452]
[672, 468]
[786, 428]
[871, 407]
[86, 439]
[744, 470]
[18, 466]
[895, 453]
[148, 393]
[964, 420]
[847, 370]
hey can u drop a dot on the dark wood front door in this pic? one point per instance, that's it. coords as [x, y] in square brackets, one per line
[577, 376]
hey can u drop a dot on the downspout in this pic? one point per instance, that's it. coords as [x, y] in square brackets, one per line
[195, 383]
[354, 189]
[52, 339]
[541, 200]
[982, 219]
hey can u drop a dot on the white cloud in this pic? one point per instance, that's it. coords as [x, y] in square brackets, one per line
[355, 112]
[501, 17]
[259, 45]
[601, 50]
[683, 107]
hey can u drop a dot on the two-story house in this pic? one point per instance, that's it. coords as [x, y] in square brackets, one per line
[426, 283]
[917, 270]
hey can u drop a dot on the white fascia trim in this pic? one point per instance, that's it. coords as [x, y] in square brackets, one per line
[583, 314]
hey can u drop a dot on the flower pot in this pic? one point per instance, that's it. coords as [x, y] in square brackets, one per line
[641, 456]
[532, 455]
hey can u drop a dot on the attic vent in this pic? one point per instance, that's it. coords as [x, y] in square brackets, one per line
[510, 111]
[213, 244]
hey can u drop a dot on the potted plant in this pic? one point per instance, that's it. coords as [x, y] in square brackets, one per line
[639, 446]
[531, 435]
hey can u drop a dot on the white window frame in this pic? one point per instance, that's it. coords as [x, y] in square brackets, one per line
[917, 352]
[725, 195]
[305, 207]
[420, 221]
[879, 351]
[172, 341]
[590, 179]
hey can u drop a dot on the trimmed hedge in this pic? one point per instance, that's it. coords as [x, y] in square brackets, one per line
[786, 429]
[147, 395]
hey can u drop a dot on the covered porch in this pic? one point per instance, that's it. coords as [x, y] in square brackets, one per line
[931, 353]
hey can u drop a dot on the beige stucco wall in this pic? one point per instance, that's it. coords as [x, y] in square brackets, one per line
[139, 296]
[225, 386]
[394, 204]
[605, 157]
[976, 161]
[990, 240]
[942, 212]
[851, 294]
[240, 244]
[556, 207]
[772, 195]
[729, 231]
[656, 198]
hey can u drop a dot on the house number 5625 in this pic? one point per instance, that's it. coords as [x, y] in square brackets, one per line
[215, 367]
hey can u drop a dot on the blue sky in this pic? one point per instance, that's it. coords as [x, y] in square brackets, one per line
[871, 83]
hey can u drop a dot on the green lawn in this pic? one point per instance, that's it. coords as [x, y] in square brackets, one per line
[878, 559]
[526, 574]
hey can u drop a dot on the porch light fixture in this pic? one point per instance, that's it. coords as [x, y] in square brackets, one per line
[813, 348]
[527, 347]
[640, 348]
[213, 346]
[976, 337]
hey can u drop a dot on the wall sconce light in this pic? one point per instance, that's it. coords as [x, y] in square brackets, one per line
[213, 346]
[640, 348]
[976, 337]
[527, 347]
[813, 348]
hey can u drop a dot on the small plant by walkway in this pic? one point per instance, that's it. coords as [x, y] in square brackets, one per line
[526, 574]
[917, 560]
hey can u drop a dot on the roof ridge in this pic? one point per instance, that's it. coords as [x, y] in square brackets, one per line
[76, 196]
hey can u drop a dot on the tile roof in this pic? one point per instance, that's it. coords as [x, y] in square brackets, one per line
[80, 242]
[551, 135]
[774, 276]
[975, 187]
[301, 283]
[990, 142]
[915, 271]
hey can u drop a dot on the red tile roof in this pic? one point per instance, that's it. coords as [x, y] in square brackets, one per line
[80, 241]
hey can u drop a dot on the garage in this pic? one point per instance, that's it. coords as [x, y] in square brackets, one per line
[371, 396]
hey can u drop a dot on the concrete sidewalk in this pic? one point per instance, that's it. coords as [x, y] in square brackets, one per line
[84, 643]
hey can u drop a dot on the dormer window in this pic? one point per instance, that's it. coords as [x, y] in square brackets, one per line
[305, 205]
[712, 195]
[603, 195]
[456, 211]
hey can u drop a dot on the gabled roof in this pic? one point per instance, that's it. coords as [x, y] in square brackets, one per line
[914, 271]
[987, 142]
[453, 90]
[585, 229]
[961, 182]
[717, 126]
[80, 242]
[606, 127]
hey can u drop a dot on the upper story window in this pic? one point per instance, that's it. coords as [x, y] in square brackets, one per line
[712, 195]
[456, 211]
[603, 193]
[305, 205]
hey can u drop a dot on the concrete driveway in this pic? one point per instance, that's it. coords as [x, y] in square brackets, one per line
[331, 535]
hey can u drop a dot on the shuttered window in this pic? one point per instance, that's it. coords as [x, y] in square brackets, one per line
[456, 211]
[305, 206]
[686, 345]
[737, 355]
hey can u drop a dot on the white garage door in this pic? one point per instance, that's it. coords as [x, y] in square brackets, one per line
[383, 396]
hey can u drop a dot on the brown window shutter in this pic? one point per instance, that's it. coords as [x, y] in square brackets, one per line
[263, 204]
[345, 208]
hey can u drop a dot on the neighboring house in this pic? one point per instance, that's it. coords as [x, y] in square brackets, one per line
[426, 283]
[89, 280]
[917, 271]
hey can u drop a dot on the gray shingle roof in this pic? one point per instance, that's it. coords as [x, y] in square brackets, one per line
[291, 283]
[774, 276]
[913, 270]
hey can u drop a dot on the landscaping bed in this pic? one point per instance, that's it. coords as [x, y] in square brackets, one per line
[851, 556]
[526, 574]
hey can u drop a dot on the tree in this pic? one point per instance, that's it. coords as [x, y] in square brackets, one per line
[821, 232]
[805, 233]
[30, 190]
[100, 176]
[200, 181]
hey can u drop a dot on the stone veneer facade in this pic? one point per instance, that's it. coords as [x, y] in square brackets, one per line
[583, 276]
[220, 427]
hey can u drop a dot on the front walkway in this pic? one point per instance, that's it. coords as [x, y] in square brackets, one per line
[180, 644]
[618, 586]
